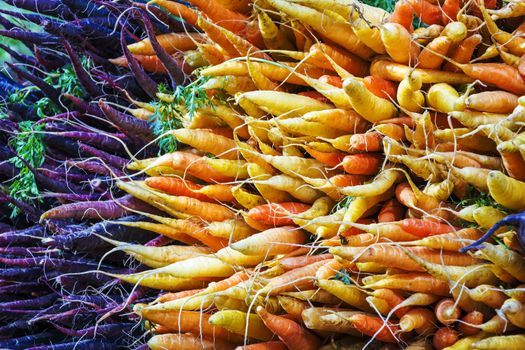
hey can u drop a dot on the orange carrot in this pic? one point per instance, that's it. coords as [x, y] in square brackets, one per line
[299, 261]
[315, 95]
[514, 164]
[463, 53]
[331, 159]
[348, 180]
[498, 74]
[151, 64]
[178, 295]
[403, 14]
[293, 280]
[421, 320]
[447, 312]
[408, 121]
[178, 10]
[332, 80]
[427, 12]
[177, 187]
[293, 335]
[445, 337]
[405, 195]
[431, 57]
[450, 11]
[469, 321]
[391, 211]
[374, 326]
[269, 345]
[362, 164]
[423, 228]
[352, 231]
[521, 65]
[393, 299]
[346, 60]
[381, 87]
[277, 214]
[367, 142]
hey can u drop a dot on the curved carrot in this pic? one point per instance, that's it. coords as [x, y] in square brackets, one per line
[277, 214]
[463, 53]
[450, 10]
[332, 80]
[178, 9]
[367, 142]
[403, 14]
[468, 323]
[381, 87]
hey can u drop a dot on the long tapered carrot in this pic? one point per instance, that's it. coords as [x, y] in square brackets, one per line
[291, 333]
[177, 9]
[176, 187]
[275, 241]
[413, 282]
[424, 228]
[463, 53]
[277, 214]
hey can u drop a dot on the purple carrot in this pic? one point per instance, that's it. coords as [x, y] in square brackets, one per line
[54, 126]
[31, 212]
[30, 38]
[8, 25]
[65, 175]
[83, 77]
[97, 300]
[107, 210]
[25, 16]
[108, 330]
[85, 107]
[20, 288]
[47, 89]
[90, 344]
[9, 330]
[85, 241]
[54, 264]
[172, 67]
[159, 241]
[62, 29]
[71, 115]
[146, 83]
[96, 167]
[39, 302]
[25, 251]
[48, 59]
[19, 57]
[96, 139]
[72, 197]
[5, 227]
[30, 340]
[111, 159]
[55, 8]
[21, 274]
[134, 128]
[8, 170]
[86, 8]
[166, 19]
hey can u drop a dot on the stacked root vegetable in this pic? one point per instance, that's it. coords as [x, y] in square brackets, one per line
[337, 179]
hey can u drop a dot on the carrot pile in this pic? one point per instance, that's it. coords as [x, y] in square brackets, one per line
[333, 191]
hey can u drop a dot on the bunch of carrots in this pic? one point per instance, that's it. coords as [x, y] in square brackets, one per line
[338, 185]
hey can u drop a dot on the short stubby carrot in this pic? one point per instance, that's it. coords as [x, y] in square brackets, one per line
[277, 214]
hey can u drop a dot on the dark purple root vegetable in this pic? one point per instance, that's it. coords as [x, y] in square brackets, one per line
[86, 241]
[92, 344]
[72, 197]
[96, 167]
[84, 107]
[111, 159]
[25, 16]
[101, 301]
[30, 38]
[40, 302]
[47, 89]
[109, 330]
[21, 274]
[8, 86]
[5, 227]
[12, 328]
[22, 237]
[25, 251]
[53, 264]
[65, 175]
[517, 220]
[67, 146]
[137, 130]
[71, 115]
[49, 59]
[84, 8]
[146, 83]
[19, 57]
[29, 211]
[172, 67]
[96, 139]
[30, 340]
[19, 288]
[83, 77]
[55, 8]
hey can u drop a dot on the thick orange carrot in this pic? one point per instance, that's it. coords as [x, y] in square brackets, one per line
[469, 321]
[331, 159]
[332, 80]
[367, 142]
[151, 64]
[445, 337]
[431, 57]
[393, 299]
[269, 345]
[348, 180]
[178, 295]
[424, 228]
[447, 312]
[392, 210]
[293, 335]
[178, 10]
[300, 278]
[427, 12]
[374, 326]
[362, 164]
[277, 214]
[498, 74]
[463, 53]
[514, 164]
[403, 14]
[346, 60]
[450, 10]
[299, 261]
[381, 87]
[352, 231]
[177, 187]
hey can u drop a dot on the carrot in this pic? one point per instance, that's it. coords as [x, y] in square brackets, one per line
[368, 105]
[271, 242]
[289, 332]
[500, 342]
[514, 163]
[398, 44]
[207, 141]
[187, 342]
[176, 187]
[366, 33]
[172, 43]
[397, 72]
[444, 337]
[506, 190]
[178, 295]
[300, 278]
[463, 53]
[362, 164]
[187, 321]
[500, 75]
[413, 282]
[450, 10]
[424, 228]
[403, 14]
[298, 126]
[269, 345]
[489, 295]
[338, 31]
[241, 323]
[427, 12]
[332, 80]
[178, 10]
[451, 241]
[468, 323]
[151, 64]
[277, 214]
[431, 56]
[419, 319]
[409, 95]
[507, 259]
[324, 319]
[333, 159]
[273, 37]
[380, 87]
[294, 186]
[350, 294]
[447, 312]
[376, 327]
[346, 60]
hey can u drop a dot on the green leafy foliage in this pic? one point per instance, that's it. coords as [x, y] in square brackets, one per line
[343, 203]
[181, 103]
[479, 199]
[342, 276]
